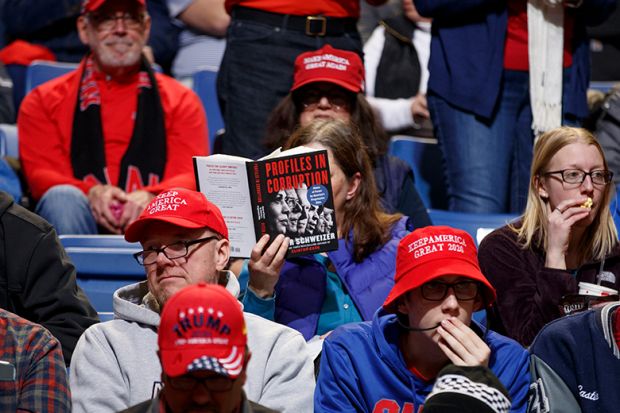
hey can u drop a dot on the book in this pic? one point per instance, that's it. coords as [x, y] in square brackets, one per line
[287, 192]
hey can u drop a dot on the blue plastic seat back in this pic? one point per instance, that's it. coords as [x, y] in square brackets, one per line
[39, 72]
[477, 225]
[425, 159]
[204, 85]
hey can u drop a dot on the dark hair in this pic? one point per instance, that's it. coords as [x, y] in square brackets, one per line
[370, 225]
[284, 120]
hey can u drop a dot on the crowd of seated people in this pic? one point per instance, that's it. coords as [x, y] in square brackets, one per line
[384, 323]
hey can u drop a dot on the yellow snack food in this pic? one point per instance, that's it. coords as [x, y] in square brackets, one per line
[587, 204]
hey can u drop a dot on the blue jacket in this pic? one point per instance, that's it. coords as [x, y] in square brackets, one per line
[300, 291]
[362, 370]
[467, 52]
[577, 356]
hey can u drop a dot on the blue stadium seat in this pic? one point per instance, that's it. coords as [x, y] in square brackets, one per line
[603, 86]
[41, 71]
[8, 134]
[477, 225]
[425, 159]
[105, 315]
[204, 84]
[104, 263]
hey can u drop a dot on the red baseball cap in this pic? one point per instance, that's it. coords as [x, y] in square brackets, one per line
[331, 65]
[92, 5]
[431, 252]
[202, 328]
[181, 207]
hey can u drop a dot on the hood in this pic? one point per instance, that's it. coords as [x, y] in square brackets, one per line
[385, 336]
[134, 302]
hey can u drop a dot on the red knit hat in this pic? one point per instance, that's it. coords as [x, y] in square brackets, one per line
[202, 328]
[181, 207]
[330, 65]
[431, 252]
[92, 5]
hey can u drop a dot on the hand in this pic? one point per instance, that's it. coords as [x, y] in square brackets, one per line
[265, 266]
[103, 200]
[461, 344]
[419, 108]
[135, 203]
[560, 222]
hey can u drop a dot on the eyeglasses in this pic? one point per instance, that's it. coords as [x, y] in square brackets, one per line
[172, 252]
[107, 22]
[437, 290]
[214, 383]
[339, 101]
[577, 176]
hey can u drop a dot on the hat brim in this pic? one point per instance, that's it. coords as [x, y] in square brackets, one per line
[135, 231]
[435, 269]
[348, 86]
[226, 360]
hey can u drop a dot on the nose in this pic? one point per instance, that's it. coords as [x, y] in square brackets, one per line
[450, 303]
[119, 24]
[201, 395]
[285, 208]
[162, 259]
[324, 102]
[587, 186]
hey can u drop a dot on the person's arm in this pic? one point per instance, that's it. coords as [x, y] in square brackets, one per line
[50, 294]
[207, 16]
[43, 378]
[97, 383]
[288, 377]
[45, 159]
[186, 136]
[336, 387]
[23, 17]
[528, 294]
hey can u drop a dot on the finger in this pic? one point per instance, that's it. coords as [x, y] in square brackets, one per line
[257, 251]
[282, 251]
[454, 358]
[272, 250]
[453, 342]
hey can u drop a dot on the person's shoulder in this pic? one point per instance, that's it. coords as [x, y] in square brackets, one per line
[348, 334]
[25, 219]
[504, 235]
[566, 328]
[19, 330]
[171, 88]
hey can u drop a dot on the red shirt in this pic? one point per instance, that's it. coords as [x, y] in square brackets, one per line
[333, 8]
[516, 48]
[45, 125]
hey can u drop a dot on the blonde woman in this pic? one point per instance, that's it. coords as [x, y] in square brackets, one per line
[566, 235]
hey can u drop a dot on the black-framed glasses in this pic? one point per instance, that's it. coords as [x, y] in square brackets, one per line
[437, 290]
[172, 252]
[577, 176]
[216, 384]
[339, 100]
[106, 22]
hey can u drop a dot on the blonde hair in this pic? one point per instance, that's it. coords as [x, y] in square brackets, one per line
[601, 236]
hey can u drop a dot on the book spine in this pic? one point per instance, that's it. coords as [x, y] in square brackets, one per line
[256, 196]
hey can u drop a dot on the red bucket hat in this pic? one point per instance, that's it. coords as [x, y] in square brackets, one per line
[331, 65]
[431, 252]
[181, 207]
[92, 5]
[202, 328]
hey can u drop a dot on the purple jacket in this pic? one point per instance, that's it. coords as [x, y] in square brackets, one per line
[300, 290]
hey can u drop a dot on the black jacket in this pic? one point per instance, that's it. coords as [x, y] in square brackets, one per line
[37, 279]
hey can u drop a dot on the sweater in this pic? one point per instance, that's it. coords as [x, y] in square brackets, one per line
[115, 364]
[528, 293]
[363, 370]
[576, 364]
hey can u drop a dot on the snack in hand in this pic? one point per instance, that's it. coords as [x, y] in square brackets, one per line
[587, 203]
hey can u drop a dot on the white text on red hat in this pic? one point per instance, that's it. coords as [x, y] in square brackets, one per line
[168, 201]
[436, 243]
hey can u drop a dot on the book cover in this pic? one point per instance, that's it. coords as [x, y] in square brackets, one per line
[284, 193]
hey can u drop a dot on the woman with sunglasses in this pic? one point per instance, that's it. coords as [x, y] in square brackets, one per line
[328, 84]
[566, 235]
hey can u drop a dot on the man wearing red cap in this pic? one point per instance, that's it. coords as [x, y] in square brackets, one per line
[185, 242]
[203, 351]
[100, 142]
[390, 364]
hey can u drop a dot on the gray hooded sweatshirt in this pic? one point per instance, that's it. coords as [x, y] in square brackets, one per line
[115, 364]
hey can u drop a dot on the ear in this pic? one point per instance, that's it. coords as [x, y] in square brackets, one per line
[222, 254]
[539, 182]
[82, 28]
[354, 183]
[402, 305]
[478, 303]
[147, 25]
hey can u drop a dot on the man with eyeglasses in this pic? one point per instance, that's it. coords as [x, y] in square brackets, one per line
[185, 242]
[100, 142]
[204, 351]
[390, 364]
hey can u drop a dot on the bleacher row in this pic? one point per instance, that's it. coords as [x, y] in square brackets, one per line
[104, 262]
